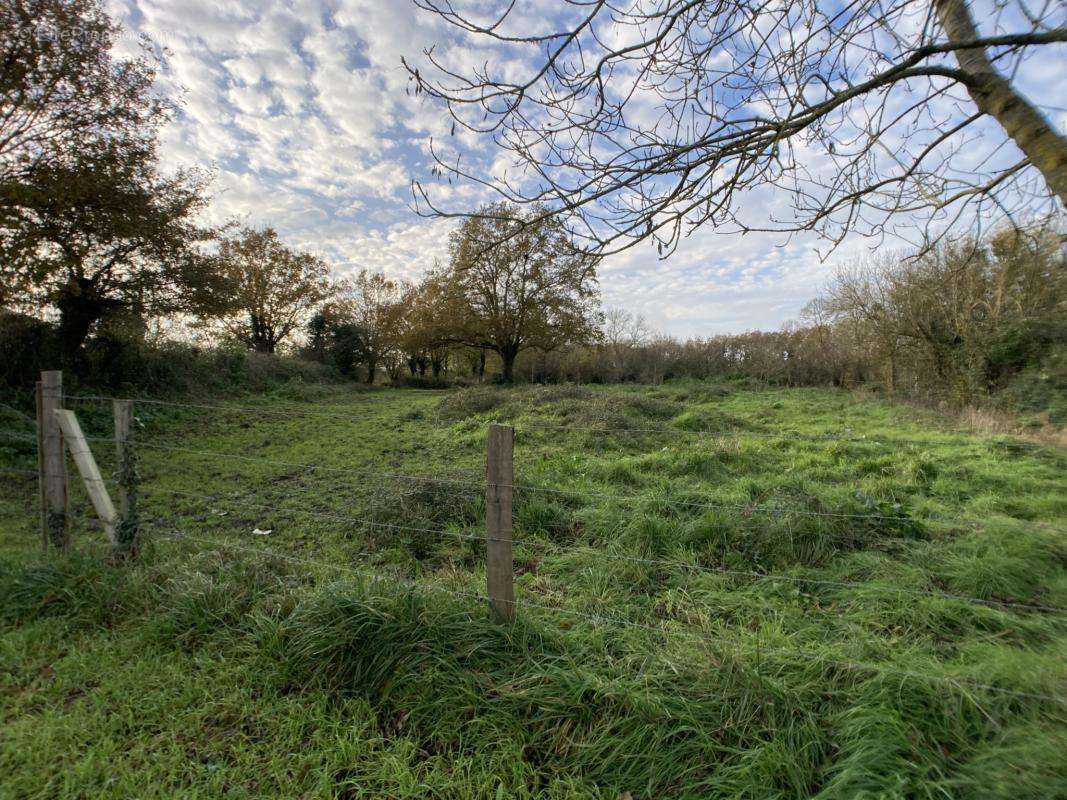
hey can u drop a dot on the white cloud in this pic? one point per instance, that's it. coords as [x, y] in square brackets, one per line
[303, 108]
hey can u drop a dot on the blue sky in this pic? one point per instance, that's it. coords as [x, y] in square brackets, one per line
[302, 108]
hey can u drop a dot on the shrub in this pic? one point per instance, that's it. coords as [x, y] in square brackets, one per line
[421, 382]
[120, 362]
[82, 588]
[411, 513]
[705, 420]
[27, 346]
[468, 402]
[547, 395]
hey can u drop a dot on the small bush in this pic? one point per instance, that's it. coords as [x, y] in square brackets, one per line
[537, 515]
[653, 407]
[216, 593]
[564, 392]
[421, 382]
[27, 346]
[705, 420]
[412, 513]
[468, 402]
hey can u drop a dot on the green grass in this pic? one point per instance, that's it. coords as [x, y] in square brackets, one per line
[344, 656]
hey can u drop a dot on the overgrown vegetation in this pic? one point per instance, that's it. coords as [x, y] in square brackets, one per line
[668, 670]
[120, 364]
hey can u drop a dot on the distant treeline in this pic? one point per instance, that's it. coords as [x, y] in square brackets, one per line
[962, 323]
[966, 323]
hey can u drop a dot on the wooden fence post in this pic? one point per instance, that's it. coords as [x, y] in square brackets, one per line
[86, 464]
[42, 501]
[499, 565]
[129, 529]
[52, 464]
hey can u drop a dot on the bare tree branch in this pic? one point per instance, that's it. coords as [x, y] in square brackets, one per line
[649, 121]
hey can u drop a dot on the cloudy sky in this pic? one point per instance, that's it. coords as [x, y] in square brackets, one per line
[302, 108]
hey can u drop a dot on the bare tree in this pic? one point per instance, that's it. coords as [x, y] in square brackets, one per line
[623, 333]
[647, 120]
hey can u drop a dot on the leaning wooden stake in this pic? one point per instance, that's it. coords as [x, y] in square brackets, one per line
[499, 567]
[128, 533]
[94, 483]
[52, 465]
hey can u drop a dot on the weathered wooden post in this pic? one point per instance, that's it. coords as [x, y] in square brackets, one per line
[128, 533]
[90, 472]
[41, 501]
[499, 565]
[51, 463]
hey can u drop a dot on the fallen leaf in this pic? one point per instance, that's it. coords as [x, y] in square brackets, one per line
[258, 532]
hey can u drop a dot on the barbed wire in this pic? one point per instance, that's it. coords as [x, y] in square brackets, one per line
[853, 585]
[483, 485]
[603, 495]
[360, 521]
[778, 509]
[299, 465]
[19, 470]
[762, 576]
[29, 437]
[717, 505]
[393, 580]
[19, 413]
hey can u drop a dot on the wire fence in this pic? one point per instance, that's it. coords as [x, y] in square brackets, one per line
[715, 643]
[360, 521]
[475, 486]
[480, 485]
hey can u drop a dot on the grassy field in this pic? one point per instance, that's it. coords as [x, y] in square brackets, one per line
[343, 654]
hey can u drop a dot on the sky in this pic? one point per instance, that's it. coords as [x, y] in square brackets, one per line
[303, 110]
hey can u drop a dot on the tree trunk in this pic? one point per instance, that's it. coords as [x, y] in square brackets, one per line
[994, 95]
[262, 340]
[372, 369]
[80, 307]
[507, 357]
[481, 363]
